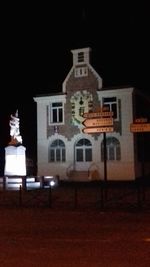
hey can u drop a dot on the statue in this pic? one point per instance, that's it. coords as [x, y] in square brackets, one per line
[15, 130]
[15, 156]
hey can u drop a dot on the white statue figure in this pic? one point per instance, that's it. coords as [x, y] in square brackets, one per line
[14, 129]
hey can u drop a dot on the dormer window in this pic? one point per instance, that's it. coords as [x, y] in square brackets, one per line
[81, 71]
[80, 57]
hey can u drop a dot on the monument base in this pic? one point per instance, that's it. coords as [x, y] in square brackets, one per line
[15, 161]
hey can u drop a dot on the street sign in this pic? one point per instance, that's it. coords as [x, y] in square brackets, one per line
[141, 120]
[98, 114]
[98, 130]
[98, 122]
[140, 127]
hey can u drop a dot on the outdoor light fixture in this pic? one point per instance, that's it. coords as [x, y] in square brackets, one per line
[50, 181]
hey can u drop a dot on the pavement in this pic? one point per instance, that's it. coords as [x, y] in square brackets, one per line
[68, 228]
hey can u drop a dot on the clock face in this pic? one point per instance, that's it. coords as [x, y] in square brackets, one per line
[81, 102]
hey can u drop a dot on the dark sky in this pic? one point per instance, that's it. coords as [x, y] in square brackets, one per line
[35, 51]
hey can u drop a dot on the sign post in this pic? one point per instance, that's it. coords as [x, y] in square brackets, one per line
[141, 125]
[105, 157]
[99, 122]
[90, 130]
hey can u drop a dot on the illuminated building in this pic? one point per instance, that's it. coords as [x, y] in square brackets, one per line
[63, 148]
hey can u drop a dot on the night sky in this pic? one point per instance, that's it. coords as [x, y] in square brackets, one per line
[35, 52]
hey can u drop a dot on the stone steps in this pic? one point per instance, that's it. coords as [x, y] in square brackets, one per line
[78, 175]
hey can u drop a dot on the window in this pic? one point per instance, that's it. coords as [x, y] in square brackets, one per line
[57, 151]
[111, 104]
[56, 112]
[81, 57]
[113, 151]
[83, 150]
[81, 72]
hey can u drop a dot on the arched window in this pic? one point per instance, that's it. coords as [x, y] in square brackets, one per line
[83, 150]
[57, 151]
[113, 150]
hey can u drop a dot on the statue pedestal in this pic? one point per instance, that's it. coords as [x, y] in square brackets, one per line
[15, 161]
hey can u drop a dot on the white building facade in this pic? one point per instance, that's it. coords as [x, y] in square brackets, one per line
[64, 149]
